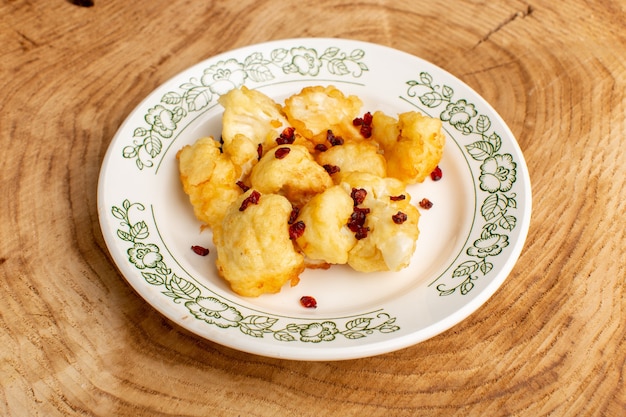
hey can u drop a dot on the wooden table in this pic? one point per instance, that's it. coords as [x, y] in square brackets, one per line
[77, 340]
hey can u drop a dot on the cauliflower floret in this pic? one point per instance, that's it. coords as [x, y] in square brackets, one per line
[209, 179]
[326, 236]
[315, 110]
[392, 222]
[290, 170]
[254, 251]
[413, 146]
[354, 156]
[250, 119]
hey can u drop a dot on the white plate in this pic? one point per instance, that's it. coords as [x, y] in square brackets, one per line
[469, 241]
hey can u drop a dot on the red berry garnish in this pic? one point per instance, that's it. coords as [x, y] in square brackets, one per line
[399, 217]
[397, 197]
[425, 203]
[243, 186]
[199, 250]
[281, 153]
[287, 137]
[253, 198]
[436, 174]
[331, 169]
[296, 230]
[334, 140]
[308, 302]
[358, 195]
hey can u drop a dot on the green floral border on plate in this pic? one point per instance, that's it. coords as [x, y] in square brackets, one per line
[147, 258]
[497, 177]
[196, 94]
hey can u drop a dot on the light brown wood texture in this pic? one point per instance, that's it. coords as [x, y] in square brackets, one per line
[76, 340]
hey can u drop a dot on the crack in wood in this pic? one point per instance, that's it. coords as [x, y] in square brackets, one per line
[519, 14]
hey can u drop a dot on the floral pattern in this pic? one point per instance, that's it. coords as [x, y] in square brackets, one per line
[144, 256]
[213, 311]
[497, 173]
[197, 94]
[497, 176]
[147, 258]
[458, 114]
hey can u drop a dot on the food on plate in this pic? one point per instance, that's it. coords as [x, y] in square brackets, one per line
[308, 184]
[391, 223]
[209, 178]
[251, 121]
[327, 238]
[354, 156]
[413, 144]
[254, 252]
[290, 170]
[316, 110]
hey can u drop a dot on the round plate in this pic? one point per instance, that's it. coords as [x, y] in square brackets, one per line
[469, 240]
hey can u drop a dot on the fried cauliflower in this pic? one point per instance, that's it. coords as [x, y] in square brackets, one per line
[250, 119]
[326, 237]
[354, 156]
[413, 144]
[290, 170]
[209, 179]
[315, 110]
[391, 224]
[254, 252]
[284, 193]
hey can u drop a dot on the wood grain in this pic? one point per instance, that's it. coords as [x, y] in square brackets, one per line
[76, 340]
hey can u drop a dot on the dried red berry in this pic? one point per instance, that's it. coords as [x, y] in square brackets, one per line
[361, 233]
[357, 219]
[365, 124]
[287, 137]
[356, 224]
[331, 169]
[308, 301]
[425, 203]
[397, 197]
[334, 140]
[281, 153]
[399, 217]
[295, 211]
[321, 147]
[358, 195]
[436, 174]
[296, 230]
[243, 186]
[259, 150]
[253, 198]
[366, 131]
[367, 118]
[199, 250]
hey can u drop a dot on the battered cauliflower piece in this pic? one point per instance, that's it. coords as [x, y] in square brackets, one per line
[413, 145]
[315, 110]
[254, 252]
[392, 223]
[354, 156]
[209, 179]
[250, 119]
[326, 237]
[290, 170]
